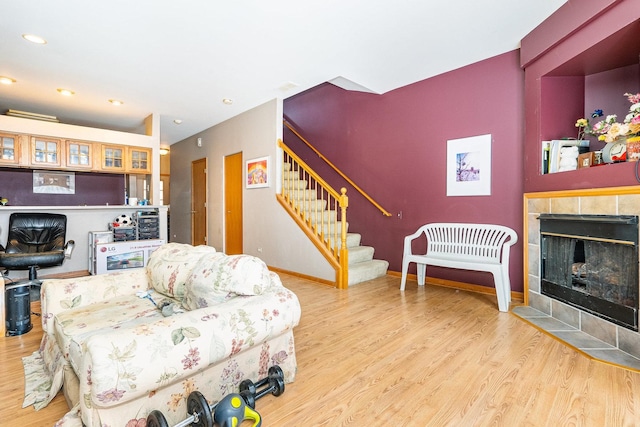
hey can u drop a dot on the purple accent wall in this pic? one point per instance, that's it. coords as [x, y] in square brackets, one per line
[592, 44]
[91, 189]
[394, 147]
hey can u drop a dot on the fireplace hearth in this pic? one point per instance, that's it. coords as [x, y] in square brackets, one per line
[591, 262]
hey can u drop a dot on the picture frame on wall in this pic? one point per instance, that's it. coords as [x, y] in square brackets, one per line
[49, 182]
[469, 166]
[257, 172]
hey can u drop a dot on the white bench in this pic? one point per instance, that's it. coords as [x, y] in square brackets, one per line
[480, 247]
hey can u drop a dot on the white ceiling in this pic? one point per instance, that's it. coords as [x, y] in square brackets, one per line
[179, 59]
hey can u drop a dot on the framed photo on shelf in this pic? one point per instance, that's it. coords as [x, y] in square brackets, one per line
[469, 166]
[585, 160]
[257, 173]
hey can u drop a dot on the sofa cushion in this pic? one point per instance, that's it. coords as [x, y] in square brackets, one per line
[216, 278]
[170, 265]
[74, 326]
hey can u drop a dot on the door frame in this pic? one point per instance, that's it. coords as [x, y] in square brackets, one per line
[193, 201]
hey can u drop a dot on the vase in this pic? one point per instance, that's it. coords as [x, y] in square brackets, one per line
[633, 149]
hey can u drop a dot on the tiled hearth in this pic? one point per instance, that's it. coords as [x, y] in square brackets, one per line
[592, 335]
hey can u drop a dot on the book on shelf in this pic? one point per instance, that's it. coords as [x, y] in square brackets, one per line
[551, 151]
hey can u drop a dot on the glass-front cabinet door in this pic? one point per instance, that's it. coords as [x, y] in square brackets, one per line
[46, 151]
[9, 149]
[139, 160]
[79, 155]
[113, 158]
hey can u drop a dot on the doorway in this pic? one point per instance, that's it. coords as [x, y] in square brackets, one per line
[233, 204]
[199, 202]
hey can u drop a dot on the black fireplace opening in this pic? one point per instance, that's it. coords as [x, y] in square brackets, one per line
[591, 262]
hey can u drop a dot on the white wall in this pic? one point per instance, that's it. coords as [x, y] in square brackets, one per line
[266, 224]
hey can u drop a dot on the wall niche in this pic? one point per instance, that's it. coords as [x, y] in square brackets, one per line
[592, 61]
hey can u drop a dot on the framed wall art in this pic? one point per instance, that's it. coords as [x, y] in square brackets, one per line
[257, 173]
[469, 166]
[54, 182]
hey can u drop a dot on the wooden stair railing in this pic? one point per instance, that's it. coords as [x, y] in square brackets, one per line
[335, 168]
[319, 210]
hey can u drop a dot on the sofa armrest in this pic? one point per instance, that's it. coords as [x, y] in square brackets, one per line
[58, 295]
[123, 364]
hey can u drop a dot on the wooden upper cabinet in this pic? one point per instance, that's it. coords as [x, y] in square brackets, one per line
[46, 151]
[139, 160]
[79, 155]
[9, 149]
[43, 152]
[113, 158]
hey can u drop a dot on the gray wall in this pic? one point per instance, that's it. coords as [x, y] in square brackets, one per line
[266, 224]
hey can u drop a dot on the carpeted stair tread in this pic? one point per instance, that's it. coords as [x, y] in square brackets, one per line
[363, 271]
[360, 254]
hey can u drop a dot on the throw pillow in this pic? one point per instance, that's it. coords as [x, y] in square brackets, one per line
[218, 278]
[170, 266]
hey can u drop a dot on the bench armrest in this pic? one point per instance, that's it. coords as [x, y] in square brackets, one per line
[409, 239]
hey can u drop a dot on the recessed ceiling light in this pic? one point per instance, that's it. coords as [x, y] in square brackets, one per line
[227, 101]
[177, 121]
[66, 92]
[116, 102]
[34, 39]
[7, 80]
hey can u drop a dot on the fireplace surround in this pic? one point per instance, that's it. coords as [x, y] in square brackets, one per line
[591, 262]
[617, 344]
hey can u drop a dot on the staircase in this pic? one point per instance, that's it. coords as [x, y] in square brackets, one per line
[316, 211]
[362, 266]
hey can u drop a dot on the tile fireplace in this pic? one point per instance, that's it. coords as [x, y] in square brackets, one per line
[616, 336]
[591, 262]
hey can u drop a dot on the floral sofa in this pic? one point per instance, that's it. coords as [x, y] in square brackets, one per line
[117, 357]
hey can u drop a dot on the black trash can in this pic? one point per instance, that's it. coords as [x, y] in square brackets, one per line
[18, 309]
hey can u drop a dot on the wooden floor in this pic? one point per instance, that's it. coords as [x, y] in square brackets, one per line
[432, 356]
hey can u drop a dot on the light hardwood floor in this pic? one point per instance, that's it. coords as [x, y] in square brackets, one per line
[432, 356]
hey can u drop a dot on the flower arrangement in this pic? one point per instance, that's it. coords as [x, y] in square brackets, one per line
[609, 129]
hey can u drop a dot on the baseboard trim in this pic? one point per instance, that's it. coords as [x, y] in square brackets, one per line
[303, 276]
[515, 296]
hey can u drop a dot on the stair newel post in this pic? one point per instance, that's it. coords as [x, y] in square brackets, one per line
[344, 253]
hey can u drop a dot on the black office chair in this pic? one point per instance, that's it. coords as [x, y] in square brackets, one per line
[35, 240]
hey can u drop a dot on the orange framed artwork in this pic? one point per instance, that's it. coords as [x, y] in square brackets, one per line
[257, 173]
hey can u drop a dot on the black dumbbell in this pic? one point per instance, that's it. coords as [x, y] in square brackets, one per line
[199, 411]
[275, 380]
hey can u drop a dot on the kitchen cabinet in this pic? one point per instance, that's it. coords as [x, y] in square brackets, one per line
[113, 158]
[139, 160]
[46, 152]
[79, 155]
[9, 149]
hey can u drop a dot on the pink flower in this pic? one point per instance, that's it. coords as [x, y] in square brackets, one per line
[112, 395]
[634, 99]
[191, 359]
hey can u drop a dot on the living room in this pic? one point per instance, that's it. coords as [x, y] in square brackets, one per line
[395, 145]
